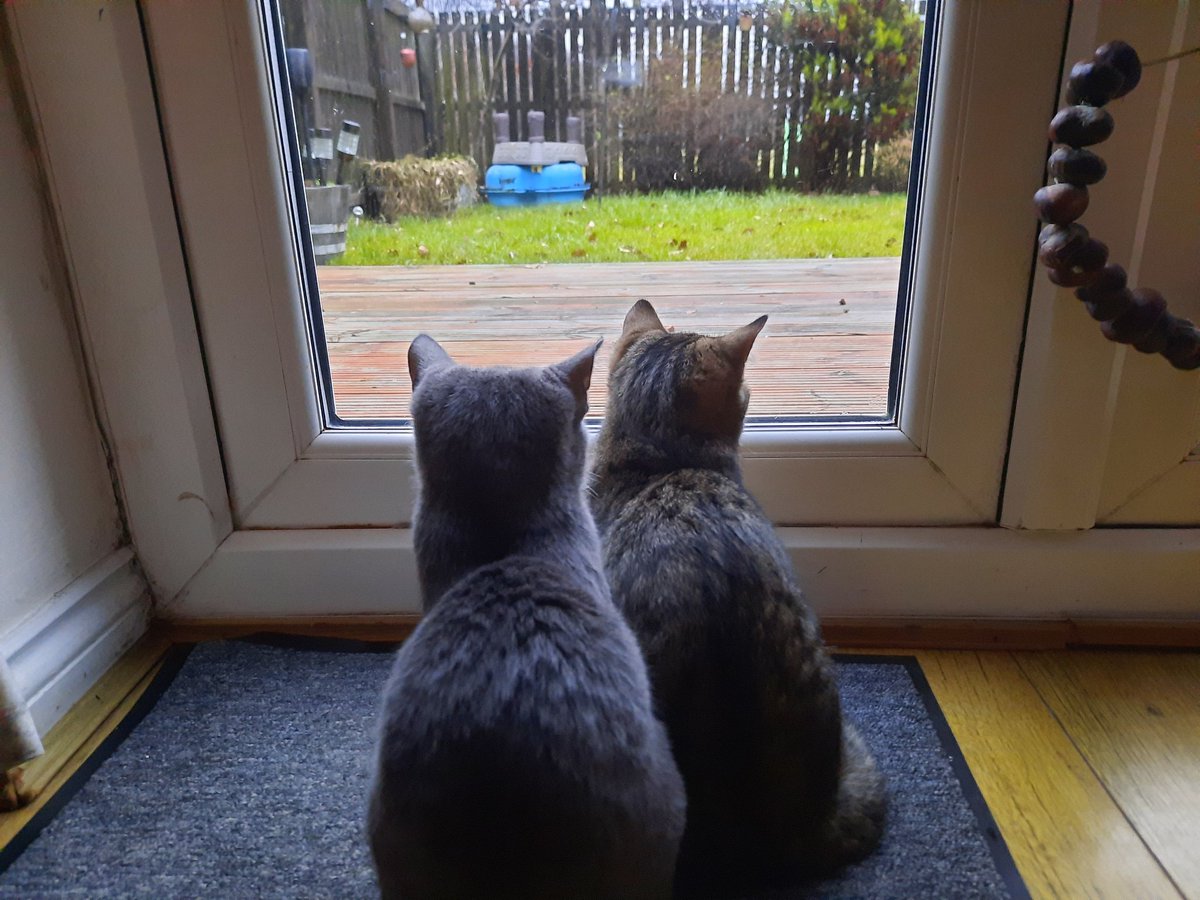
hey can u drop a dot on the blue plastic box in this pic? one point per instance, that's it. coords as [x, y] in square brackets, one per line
[509, 185]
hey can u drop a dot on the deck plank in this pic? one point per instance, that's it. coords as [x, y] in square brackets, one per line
[826, 350]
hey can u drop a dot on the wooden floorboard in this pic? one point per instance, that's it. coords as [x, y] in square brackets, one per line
[1067, 834]
[1135, 717]
[826, 349]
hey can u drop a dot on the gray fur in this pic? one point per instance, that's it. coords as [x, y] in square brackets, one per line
[518, 754]
[779, 787]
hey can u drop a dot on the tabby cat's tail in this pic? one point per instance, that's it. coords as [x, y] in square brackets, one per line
[856, 825]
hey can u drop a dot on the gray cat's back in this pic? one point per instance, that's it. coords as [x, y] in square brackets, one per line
[518, 753]
[509, 648]
[534, 693]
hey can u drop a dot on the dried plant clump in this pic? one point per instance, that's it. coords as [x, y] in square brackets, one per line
[414, 186]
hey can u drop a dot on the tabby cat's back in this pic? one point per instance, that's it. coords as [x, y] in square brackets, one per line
[518, 755]
[779, 787]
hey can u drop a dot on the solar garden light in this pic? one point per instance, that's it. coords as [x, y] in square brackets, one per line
[536, 123]
[300, 73]
[320, 148]
[536, 120]
[500, 131]
[347, 146]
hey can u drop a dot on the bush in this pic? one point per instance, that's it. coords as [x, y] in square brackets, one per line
[683, 136]
[860, 62]
[413, 186]
[731, 134]
[892, 162]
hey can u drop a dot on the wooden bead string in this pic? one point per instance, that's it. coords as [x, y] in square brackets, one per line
[1137, 317]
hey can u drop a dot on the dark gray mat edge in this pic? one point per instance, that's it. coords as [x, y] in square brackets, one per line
[1001, 856]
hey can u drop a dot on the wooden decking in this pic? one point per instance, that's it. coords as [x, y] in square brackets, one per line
[826, 349]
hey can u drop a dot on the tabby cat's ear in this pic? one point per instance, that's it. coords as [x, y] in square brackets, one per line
[424, 355]
[641, 318]
[576, 372]
[737, 344]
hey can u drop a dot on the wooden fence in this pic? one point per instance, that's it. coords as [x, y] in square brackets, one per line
[554, 58]
[355, 47]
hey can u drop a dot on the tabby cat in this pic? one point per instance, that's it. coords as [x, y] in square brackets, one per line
[518, 756]
[779, 786]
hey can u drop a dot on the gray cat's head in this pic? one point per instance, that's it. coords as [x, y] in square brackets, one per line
[494, 439]
[680, 385]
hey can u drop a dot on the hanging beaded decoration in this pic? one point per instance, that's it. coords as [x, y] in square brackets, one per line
[1138, 317]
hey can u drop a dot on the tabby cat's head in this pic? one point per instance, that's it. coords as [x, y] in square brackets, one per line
[686, 384]
[497, 435]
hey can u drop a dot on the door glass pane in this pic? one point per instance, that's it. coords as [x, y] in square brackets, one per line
[510, 178]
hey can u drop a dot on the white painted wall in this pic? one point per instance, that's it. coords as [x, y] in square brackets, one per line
[58, 516]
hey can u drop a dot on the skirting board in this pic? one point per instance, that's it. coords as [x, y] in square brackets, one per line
[63, 648]
[846, 573]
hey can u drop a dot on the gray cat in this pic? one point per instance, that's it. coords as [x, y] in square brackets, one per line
[779, 786]
[518, 755]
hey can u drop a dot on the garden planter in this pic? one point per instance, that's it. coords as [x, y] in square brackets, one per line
[328, 209]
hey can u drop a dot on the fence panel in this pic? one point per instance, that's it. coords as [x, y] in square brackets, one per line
[360, 72]
[553, 58]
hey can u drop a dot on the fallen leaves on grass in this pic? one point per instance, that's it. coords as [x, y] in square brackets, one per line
[724, 226]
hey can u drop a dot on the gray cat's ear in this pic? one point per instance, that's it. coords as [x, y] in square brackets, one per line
[576, 372]
[738, 343]
[641, 318]
[424, 355]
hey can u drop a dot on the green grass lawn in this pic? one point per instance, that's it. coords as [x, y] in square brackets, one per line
[641, 228]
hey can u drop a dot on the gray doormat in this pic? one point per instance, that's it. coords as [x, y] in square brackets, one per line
[243, 772]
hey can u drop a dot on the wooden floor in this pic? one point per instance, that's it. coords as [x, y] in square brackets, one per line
[826, 349]
[1089, 760]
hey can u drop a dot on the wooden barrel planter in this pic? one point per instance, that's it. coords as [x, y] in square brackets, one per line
[328, 209]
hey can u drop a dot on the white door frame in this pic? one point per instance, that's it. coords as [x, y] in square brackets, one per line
[940, 464]
[85, 73]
